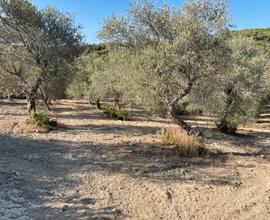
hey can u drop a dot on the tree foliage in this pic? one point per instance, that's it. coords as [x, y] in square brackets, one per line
[50, 38]
[258, 34]
[171, 50]
[238, 93]
[17, 70]
[153, 56]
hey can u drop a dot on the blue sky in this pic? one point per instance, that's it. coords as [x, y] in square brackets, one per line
[91, 13]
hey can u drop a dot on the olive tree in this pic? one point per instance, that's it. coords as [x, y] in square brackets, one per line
[18, 71]
[100, 74]
[171, 51]
[111, 80]
[49, 36]
[237, 94]
[93, 61]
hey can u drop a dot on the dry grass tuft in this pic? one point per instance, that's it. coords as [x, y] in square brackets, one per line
[27, 127]
[187, 145]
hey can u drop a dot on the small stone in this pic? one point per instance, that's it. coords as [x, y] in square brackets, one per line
[88, 201]
[169, 195]
[117, 211]
[65, 207]
[237, 184]
[184, 172]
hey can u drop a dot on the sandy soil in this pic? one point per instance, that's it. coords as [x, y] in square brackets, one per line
[93, 168]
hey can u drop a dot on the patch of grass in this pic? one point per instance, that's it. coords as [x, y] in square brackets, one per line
[187, 145]
[27, 127]
[118, 114]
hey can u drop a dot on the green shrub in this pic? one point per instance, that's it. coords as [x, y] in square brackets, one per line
[181, 109]
[113, 113]
[33, 115]
[42, 120]
[226, 127]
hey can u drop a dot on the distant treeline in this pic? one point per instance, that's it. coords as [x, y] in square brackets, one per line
[258, 34]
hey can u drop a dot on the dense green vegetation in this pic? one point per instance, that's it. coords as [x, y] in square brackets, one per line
[159, 59]
[258, 34]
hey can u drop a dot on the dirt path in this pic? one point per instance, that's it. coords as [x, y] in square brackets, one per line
[94, 168]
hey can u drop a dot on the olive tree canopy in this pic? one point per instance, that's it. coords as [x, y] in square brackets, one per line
[50, 38]
[171, 51]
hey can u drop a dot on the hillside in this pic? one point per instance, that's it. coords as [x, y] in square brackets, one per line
[259, 34]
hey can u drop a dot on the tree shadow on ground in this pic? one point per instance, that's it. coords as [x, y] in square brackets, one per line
[46, 167]
[113, 129]
[41, 169]
[13, 114]
[81, 115]
[10, 103]
[248, 142]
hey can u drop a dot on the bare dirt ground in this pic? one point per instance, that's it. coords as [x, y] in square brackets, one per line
[93, 168]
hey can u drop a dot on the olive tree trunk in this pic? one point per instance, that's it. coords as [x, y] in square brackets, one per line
[31, 104]
[31, 97]
[171, 113]
[97, 103]
[224, 125]
[171, 107]
[50, 101]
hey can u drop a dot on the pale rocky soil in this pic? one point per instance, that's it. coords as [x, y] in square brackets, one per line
[93, 168]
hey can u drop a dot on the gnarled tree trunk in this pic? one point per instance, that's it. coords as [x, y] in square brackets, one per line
[97, 103]
[117, 100]
[31, 97]
[171, 113]
[50, 101]
[224, 125]
[117, 103]
[31, 104]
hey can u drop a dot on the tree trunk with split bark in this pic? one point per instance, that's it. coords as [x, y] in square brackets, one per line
[97, 103]
[31, 97]
[171, 107]
[171, 113]
[224, 125]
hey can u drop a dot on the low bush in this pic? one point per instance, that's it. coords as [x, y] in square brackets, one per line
[181, 109]
[187, 145]
[226, 127]
[119, 114]
[42, 120]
